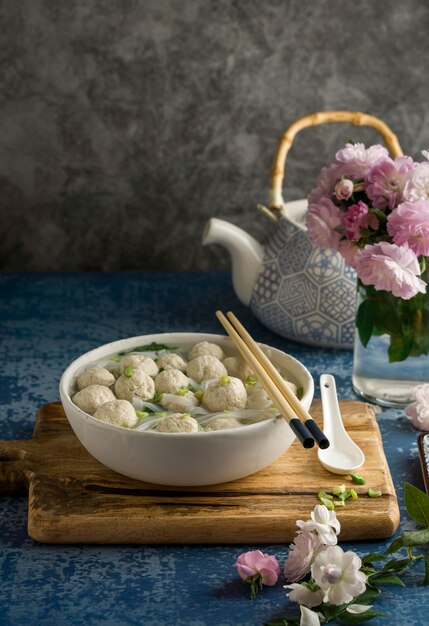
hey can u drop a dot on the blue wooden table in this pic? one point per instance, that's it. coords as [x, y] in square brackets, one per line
[47, 320]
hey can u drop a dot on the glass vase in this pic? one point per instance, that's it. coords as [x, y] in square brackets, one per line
[391, 350]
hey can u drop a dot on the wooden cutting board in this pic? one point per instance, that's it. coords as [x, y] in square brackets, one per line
[75, 499]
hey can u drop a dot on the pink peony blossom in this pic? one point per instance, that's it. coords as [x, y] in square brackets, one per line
[300, 557]
[343, 189]
[391, 268]
[338, 575]
[255, 563]
[417, 184]
[349, 251]
[418, 411]
[325, 184]
[324, 224]
[409, 223]
[386, 181]
[357, 217]
[358, 160]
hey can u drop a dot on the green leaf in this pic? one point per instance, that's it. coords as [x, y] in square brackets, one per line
[365, 320]
[367, 596]
[396, 565]
[382, 579]
[153, 347]
[399, 348]
[284, 621]
[413, 538]
[379, 214]
[374, 556]
[417, 504]
[350, 618]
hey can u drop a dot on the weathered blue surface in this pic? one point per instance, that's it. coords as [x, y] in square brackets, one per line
[48, 320]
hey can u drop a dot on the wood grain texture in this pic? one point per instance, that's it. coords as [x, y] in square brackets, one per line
[75, 499]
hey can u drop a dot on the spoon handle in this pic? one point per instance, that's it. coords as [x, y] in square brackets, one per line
[332, 421]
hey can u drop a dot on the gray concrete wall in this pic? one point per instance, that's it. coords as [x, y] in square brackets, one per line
[126, 124]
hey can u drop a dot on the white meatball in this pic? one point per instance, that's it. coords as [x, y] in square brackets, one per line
[170, 381]
[206, 348]
[181, 403]
[177, 423]
[226, 393]
[172, 361]
[205, 367]
[91, 398]
[117, 412]
[221, 423]
[139, 384]
[95, 376]
[236, 366]
[257, 399]
[140, 362]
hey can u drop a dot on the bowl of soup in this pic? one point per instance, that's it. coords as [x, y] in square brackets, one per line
[179, 409]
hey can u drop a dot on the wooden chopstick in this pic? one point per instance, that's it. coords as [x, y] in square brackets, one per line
[298, 408]
[302, 433]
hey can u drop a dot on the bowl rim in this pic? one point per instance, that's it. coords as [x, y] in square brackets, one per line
[86, 358]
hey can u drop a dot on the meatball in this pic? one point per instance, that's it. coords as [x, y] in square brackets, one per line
[205, 367]
[236, 366]
[170, 381]
[226, 393]
[221, 423]
[172, 361]
[177, 423]
[206, 348]
[257, 399]
[117, 412]
[138, 361]
[95, 376]
[91, 398]
[173, 402]
[138, 384]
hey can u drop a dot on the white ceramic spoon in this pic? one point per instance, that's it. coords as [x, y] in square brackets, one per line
[343, 455]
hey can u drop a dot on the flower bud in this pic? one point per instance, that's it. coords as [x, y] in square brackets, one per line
[343, 189]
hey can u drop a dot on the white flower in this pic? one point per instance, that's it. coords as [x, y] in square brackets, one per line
[418, 411]
[308, 618]
[417, 185]
[337, 574]
[426, 154]
[356, 609]
[324, 522]
[300, 557]
[304, 595]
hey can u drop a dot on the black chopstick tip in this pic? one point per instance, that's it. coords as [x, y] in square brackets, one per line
[302, 433]
[319, 435]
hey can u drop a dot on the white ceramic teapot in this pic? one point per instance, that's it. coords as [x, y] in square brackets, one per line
[293, 287]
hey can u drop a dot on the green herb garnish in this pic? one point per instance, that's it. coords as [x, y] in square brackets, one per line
[251, 381]
[128, 371]
[373, 493]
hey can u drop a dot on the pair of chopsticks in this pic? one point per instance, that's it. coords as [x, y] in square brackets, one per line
[299, 420]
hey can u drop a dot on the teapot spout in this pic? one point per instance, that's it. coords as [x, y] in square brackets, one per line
[246, 254]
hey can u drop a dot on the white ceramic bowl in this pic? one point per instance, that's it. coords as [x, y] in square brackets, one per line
[183, 459]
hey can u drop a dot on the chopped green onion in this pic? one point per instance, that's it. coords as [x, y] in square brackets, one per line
[251, 381]
[182, 391]
[339, 503]
[224, 380]
[142, 413]
[322, 494]
[128, 371]
[373, 493]
[161, 413]
[300, 393]
[328, 503]
[353, 494]
[157, 397]
[338, 490]
[199, 394]
[358, 479]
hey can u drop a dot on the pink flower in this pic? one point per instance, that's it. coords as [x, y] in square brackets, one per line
[357, 160]
[349, 252]
[409, 223]
[257, 569]
[324, 223]
[325, 185]
[417, 185]
[300, 557]
[386, 181]
[357, 217]
[343, 189]
[391, 268]
[418, 411]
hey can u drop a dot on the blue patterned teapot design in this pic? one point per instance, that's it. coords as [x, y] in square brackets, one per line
[293, 287]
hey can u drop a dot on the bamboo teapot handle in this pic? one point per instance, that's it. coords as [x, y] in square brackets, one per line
[276, 202]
